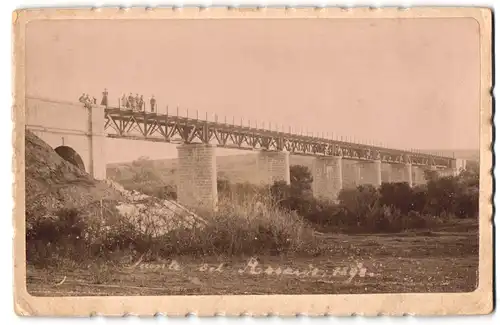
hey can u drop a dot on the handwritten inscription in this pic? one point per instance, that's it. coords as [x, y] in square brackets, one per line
[253, 267]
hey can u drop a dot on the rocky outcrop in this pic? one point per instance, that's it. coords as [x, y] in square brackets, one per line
[53, 184]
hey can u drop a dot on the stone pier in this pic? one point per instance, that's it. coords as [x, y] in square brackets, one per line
[351, 173]
[401, 173]
[387, 173]
[197, 176]
[407, 174]
[327, 177]
[458, 165]
[273, 166]
[370, 173]
[418, 175]
[97, 150]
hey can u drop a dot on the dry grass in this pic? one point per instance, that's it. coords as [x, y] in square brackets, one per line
[251, 227]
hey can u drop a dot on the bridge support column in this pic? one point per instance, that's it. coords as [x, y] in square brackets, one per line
[97, 153]
[407, 174]
[351, 174]
[371, 173]
[273, 166]
[418, 175]
[401, 173]
[327, 177]
[387, 173]
[458, 165]
[197, 176]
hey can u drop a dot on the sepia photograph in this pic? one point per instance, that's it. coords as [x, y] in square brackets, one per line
[253, 156]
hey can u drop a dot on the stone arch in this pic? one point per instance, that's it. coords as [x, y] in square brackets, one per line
[70, 155]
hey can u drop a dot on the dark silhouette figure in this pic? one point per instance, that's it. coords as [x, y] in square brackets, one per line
[138, 102]
[131, 101]
[153, 103]
[104, 101]
[141, 104]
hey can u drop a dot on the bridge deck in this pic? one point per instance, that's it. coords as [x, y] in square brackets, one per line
[171, 128]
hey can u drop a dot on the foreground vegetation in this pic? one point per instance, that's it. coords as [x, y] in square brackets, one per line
[393, 207]
[444, 260]
[279, 219]
[243, 229]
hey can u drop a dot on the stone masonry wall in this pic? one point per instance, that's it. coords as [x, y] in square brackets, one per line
[197, 176]
[402, 173]
[418, 175]
[273, 166]
[350, 174]
[370, 173]
[327, 177]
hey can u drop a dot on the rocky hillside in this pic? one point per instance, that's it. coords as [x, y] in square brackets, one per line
[52, 183]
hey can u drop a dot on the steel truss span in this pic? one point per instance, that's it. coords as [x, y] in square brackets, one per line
[170, 128]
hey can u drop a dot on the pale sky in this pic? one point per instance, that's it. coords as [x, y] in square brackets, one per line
[407, 83]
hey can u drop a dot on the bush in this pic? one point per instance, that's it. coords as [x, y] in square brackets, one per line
[240, 193]
[251, 228]
[223, 186]
[359, 202]
[399, 195]
[254, 227]
[62, 234]
[300, 180]
[467, 203]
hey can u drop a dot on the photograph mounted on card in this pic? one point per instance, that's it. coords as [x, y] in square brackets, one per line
[225, 160]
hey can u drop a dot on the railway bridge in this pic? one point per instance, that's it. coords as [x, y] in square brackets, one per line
[78, 134]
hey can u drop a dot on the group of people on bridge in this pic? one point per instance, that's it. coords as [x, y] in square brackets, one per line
[135, 103]
[89, 101]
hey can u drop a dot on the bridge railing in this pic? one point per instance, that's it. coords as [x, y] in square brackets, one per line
[192, 129]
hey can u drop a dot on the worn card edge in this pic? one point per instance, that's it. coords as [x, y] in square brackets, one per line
[479, 301]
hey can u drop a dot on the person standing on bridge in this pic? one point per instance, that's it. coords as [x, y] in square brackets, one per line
[141, 103]
[138, 102]
[131, 101]
[124, 101]
[88, 103]
[104, 101]
[153, 103]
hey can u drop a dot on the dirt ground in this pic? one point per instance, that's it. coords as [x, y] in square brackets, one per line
[440, 261]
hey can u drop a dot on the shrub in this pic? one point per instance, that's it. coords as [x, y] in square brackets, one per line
[281, 193]
[60, 234]
[419, 199]
[398, 195]
[300, 180]
[240, 193]
[468, 203]
[359, 202]
[327, 214]
[247, 229]
[223, 185]
[255, 227]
